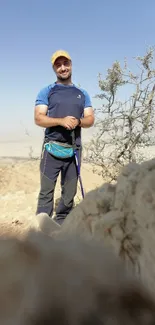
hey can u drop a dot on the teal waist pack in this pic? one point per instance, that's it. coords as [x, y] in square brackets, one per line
[59, 150]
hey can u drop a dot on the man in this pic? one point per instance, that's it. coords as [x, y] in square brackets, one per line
[61, 108]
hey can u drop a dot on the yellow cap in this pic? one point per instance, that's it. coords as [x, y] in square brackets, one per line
[58, 54]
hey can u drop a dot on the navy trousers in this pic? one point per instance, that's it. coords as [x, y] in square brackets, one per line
[50, 167]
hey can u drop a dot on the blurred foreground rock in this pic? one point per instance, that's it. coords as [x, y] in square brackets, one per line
[123, 216]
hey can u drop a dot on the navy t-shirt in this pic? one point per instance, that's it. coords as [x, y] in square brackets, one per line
[62, 101]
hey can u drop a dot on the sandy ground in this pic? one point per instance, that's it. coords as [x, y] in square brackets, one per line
[19, 183]
[19, 187]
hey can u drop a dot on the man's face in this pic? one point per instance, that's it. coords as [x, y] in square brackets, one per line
[63, 68]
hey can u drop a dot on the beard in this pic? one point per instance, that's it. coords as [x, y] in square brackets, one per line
[64, 78]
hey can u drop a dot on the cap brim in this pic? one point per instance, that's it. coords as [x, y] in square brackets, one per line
[61, 56]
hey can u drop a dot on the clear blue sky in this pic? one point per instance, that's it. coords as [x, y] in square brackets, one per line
[95, 34]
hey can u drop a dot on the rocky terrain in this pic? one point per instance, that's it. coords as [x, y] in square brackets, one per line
[19, 187]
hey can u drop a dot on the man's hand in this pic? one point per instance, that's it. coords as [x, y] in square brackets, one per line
[69, 122]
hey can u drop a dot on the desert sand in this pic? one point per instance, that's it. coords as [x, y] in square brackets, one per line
[19, 181]
[19, 187]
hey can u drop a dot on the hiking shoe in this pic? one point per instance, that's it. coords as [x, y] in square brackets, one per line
[47, 224]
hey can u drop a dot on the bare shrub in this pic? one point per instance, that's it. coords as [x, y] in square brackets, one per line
[124, 127]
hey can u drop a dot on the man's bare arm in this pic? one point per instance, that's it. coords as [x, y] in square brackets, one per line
[41, 119]
[88, 119]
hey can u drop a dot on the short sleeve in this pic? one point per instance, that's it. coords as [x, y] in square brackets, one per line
[88, 102]
[42, 97]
